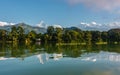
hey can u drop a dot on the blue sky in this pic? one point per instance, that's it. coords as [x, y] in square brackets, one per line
[63, 12]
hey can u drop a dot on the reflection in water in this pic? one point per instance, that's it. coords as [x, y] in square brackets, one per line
[45, 57]
[57, 52]
[57, 56]
[4, 58]
[40, 58]
[101, 56]
[74, 60]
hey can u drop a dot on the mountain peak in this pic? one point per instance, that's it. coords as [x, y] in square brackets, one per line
[42, 25]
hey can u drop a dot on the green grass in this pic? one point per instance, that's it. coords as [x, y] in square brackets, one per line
[101, 43]
[71, 44]
[98, 43]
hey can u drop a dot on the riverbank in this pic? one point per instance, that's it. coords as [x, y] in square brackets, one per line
[98, 43]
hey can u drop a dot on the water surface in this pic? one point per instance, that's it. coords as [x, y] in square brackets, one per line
[34, 59]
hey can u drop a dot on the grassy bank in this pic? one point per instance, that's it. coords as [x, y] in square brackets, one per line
[98, 43]
[71, 44]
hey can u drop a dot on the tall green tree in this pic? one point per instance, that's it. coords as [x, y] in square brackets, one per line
[21, 34]
[32, 35]
[104, 36]
[50, 32]
[96, 36]
[81, 37]
[88, 37]
[3, 35]
[114, 35]
[14, 33]
[67, 37]
[58, 34]
[44, 38]
[74, 35]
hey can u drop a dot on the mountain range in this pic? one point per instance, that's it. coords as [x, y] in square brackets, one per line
[26, 27]
[97, 26]
[42, 27]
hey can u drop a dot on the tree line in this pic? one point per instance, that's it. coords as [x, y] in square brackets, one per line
[61, 35]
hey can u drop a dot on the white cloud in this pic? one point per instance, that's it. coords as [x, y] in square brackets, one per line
[57, 26]
[114, 24]
[12, 23]
[82, 23]
[89, 24]
[85, 24]
[94, 23]
[97, 26]
[43, 25]
[101, 4]
[5, 23]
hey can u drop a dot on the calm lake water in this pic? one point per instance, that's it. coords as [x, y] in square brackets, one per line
[59, 60]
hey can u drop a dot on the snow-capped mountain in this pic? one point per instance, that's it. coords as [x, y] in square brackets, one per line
[39, 28]
[26, 27]
[42, 27]
[97, 26]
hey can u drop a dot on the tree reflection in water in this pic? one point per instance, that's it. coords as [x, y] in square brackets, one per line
[49, 51]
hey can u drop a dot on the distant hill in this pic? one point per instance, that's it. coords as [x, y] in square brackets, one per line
[73, 28]
[114, 31]
[26, 27]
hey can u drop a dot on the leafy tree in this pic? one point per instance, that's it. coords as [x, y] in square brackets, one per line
[58, 33]
[67, 37]
[96, 36]
[50, 31]
[32, 35]
[81, 37]
[87, 37]
[21, 36]
[114, 35]
[39, 35]
[44, 38]
[14, 33]
[9, 36]
[3, 35]
[104, 36]
[74, 35]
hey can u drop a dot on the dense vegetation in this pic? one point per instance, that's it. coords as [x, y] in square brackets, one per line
[22, 51]
[61, 35]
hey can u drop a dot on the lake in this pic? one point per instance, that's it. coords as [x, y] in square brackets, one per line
[39, 59]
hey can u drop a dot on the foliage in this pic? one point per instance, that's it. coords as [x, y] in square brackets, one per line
[59, 35]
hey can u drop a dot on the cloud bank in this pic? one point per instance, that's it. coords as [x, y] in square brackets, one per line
[98, 4]
[44, 25]
[83, 25]
[98, 26]
[6, 23]
[57, 26]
